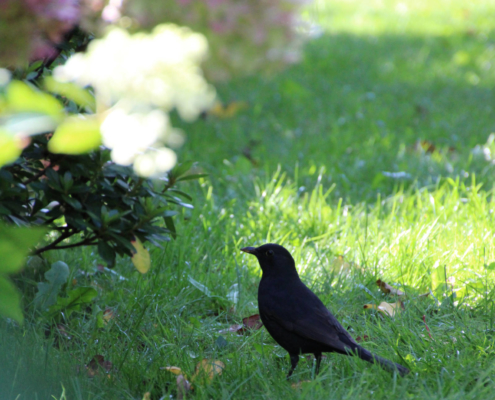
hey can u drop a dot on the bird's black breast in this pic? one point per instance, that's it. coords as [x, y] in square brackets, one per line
[282, 305]
[298, 320]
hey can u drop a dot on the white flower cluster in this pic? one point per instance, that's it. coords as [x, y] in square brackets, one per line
[142, 77]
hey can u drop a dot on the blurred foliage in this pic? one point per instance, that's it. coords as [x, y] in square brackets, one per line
[14, 244]
[244, 37]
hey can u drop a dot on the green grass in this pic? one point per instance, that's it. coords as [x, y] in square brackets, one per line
[321, 133]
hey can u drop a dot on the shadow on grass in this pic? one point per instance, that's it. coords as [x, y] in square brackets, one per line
[357, 105]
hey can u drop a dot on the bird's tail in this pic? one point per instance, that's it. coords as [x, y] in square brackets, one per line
[383, 362]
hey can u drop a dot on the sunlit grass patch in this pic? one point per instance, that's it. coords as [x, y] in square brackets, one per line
[367, 161]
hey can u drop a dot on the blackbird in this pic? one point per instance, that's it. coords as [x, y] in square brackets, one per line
[296, 318]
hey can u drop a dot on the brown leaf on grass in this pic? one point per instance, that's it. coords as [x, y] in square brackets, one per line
[426, 146]
[97, 364]
[365, 338]
[147, 396]
[108, 314]
[231, 328]
[386, 308]
[208, 369]
[252, 322]
[386, 288]
[140, 257]
[229, 110]
[174, 370]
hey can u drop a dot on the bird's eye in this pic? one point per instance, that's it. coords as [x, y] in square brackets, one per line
[269, 253]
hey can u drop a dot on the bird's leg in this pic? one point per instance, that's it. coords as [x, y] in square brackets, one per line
[318, 362]
[294, 359]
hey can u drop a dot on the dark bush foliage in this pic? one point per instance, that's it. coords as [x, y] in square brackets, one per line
[90, 199]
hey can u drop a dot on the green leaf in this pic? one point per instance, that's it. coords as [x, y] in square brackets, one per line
[53, 179]
[221, 342]
[122, 242]
[67, 181]
[160, 211]
[170, 213]
[48, 291]
[71, 91]
[98, 314]
[199, 286]
[258, 348]
[74, 203]
[10, 148]
[77, 297]
[181, 169]
[491, 266]
[169, 222]
[106, 252]
[115, 215]
[195, 322]
[141, 257]
[10, 300]
[181, 193]
[23, 98]
[76, 135]
[15, 244]
[438, 284]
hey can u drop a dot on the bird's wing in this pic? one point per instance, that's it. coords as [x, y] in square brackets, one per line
[317, 324]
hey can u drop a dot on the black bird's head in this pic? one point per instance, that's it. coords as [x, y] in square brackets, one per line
[274, 259]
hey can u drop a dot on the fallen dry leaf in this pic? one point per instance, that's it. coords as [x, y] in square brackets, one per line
[208, 369]
[365, 338]
[97, 362]
[229, 110]
[252, 322]
[386, 308]
[425, 146]
[231, 328]
[141, 257]
[386, 288]
[174, 370]
[108, 314]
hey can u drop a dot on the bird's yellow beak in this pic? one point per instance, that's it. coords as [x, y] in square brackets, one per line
[250, 250]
